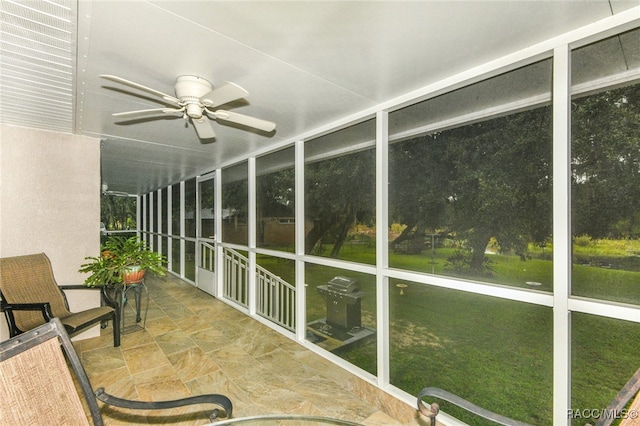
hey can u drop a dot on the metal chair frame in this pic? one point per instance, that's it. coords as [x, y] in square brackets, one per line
[616, 408]
[55, 330]
[432, 411]
[29, 285]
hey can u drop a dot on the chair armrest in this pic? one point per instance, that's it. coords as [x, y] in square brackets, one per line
[45, 307]
[434, 409]
[77, 287]
[217, 399]
[8, 309]
[63, 288]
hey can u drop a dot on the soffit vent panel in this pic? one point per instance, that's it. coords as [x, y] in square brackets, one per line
[37, 65]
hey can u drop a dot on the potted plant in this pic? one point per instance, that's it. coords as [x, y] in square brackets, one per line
[122, 261]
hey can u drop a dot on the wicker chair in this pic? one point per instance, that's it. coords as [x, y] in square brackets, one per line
[38, 385]
[31, 297]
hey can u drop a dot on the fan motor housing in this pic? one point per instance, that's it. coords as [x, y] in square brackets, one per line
[191, 86]
[189, 89]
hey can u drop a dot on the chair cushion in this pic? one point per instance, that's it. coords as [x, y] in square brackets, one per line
[78, 320]
[37, 388]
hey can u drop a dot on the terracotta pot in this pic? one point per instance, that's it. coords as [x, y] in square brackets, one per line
[133, 275]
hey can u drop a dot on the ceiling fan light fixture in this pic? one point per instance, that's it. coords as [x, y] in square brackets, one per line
[194, 110]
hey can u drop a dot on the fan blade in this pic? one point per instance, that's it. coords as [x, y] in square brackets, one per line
[203, 127]
[117, 193]
[245, 120]
[145, 112]
[121, 80]
[222, 95]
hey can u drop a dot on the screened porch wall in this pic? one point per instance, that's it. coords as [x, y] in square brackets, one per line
[529, 323]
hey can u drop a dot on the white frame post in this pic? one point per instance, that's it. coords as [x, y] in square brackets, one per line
[382, 246]
[169, 228]
[251, 238]
[217, 205]
[182, 229]
[561, 234]
[301, 293]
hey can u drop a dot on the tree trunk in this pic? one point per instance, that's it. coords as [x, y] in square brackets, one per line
[406, 234]
[478, 242]
[315, 234]
[342, 236]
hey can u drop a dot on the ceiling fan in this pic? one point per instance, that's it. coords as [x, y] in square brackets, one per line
[106, 191]
[195, 99]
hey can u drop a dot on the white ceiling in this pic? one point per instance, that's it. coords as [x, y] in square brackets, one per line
[305, 64]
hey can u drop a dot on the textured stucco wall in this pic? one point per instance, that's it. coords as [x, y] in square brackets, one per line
[50, 202]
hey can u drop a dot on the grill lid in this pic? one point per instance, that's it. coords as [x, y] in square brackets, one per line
[344, 284]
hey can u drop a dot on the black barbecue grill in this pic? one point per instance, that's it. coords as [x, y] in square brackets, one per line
[343, 285]
[343, 299]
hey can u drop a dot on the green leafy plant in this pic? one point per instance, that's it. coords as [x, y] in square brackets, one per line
[118, 255]
[460, 262]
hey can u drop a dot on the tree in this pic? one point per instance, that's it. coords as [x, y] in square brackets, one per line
[118, 212]
[606, 164]
[501, 186]
[339, 192]
[419, 173]
[276, 193]
[235, 204]
[494, 178]
[482, 180]
[275, 198]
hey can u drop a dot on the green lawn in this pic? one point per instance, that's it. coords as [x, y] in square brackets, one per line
[493, 352]
[496, 353]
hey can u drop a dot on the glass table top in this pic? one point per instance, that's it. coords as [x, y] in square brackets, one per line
[284, 420]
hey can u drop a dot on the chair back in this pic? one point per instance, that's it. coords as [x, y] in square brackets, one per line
[29, 279]
[621, 407]
[35, 381]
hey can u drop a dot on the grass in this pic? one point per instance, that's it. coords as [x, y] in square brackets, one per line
[604, 355]
[618, 285]
[584, 246]
[493, 352]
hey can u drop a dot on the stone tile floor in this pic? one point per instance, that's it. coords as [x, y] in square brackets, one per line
[194, 344]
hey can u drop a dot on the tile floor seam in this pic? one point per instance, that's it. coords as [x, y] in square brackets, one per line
[217, 325]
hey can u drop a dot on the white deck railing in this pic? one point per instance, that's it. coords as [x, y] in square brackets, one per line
[236, 278]
[207, 256]
[276, 298]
